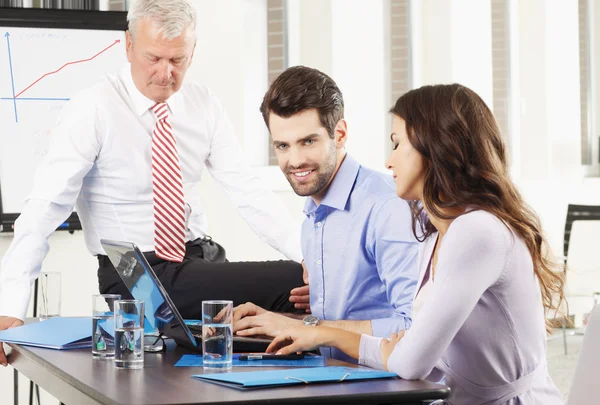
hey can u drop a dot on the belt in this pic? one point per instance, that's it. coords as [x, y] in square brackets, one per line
[151, 257]
[498, 394]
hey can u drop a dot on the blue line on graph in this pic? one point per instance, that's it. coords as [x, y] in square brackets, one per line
[12, 81]
[35, 98]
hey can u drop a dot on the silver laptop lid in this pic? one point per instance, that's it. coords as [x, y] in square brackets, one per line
[142, 282]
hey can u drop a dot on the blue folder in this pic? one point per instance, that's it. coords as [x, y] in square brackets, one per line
[276, 378]
[195, 360]
[53, 333]
[60, 333]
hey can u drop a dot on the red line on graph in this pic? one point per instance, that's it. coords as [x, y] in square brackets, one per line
[67, 64]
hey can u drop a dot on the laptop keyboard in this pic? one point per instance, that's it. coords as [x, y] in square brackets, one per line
[196, 330]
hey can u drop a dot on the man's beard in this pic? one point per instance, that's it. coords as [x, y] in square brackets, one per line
[322, 177]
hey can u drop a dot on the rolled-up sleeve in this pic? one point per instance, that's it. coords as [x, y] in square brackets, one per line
[395, 251]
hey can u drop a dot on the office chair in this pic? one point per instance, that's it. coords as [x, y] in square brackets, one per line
[578, 213]
[578, 302]
[585, 380]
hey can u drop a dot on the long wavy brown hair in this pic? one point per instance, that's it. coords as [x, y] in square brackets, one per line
[464, 159]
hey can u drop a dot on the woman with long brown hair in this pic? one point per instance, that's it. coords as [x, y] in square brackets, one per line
[485, 280]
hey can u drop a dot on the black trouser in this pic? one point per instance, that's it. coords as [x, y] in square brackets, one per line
[205, 274]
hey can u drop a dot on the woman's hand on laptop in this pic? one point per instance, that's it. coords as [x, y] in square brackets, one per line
[7, 322]
[303, 338]
[250, 320]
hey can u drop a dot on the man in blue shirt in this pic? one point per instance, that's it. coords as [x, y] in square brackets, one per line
[357, 242]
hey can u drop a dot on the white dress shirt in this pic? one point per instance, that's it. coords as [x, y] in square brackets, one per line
[100, 162]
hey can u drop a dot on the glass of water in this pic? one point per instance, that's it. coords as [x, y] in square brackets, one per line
[129, 334]
[217, 334]
[103, 325]
[49, 295]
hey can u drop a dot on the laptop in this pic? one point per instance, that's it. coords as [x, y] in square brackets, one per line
[160, 312]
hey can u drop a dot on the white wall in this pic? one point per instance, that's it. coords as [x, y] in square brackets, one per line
[551, 175]
[359, 69]
[455, 46]
[454, 42]
[346, 39]
[255, 80]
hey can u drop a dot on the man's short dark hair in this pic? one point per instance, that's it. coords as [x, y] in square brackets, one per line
[301, 88]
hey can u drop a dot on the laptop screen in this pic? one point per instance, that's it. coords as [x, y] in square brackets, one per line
[144, 285]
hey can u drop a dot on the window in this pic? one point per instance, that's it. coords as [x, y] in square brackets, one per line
[118, 5]
[501, 77]
[68, 4]
[277, 47]
[400, 77]
[401, 52]
[11, 3]
[505, 88]
[590, 154]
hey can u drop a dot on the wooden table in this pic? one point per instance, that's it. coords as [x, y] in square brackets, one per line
[75, 378]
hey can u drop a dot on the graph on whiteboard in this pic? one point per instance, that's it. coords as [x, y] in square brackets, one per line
[41, 69]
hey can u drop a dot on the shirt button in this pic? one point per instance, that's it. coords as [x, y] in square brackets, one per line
[320, 299]
[319, 224]
[319, 262]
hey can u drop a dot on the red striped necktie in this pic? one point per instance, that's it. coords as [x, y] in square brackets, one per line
[167, 186]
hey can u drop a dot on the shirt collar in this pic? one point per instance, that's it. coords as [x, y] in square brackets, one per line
[141, 103]
[340, 188]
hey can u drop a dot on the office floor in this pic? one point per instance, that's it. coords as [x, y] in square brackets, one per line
[562, 367]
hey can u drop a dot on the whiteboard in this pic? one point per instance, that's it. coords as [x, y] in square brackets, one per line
[41, 69]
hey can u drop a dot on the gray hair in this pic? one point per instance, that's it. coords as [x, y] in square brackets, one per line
[170, 18]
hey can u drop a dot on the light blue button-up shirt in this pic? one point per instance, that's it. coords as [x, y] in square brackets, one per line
[360, 252]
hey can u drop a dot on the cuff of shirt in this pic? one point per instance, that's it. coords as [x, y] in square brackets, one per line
[384, 327]
[369, 352]
[14, 300]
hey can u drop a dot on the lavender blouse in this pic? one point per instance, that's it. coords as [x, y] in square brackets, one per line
[481, 326]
